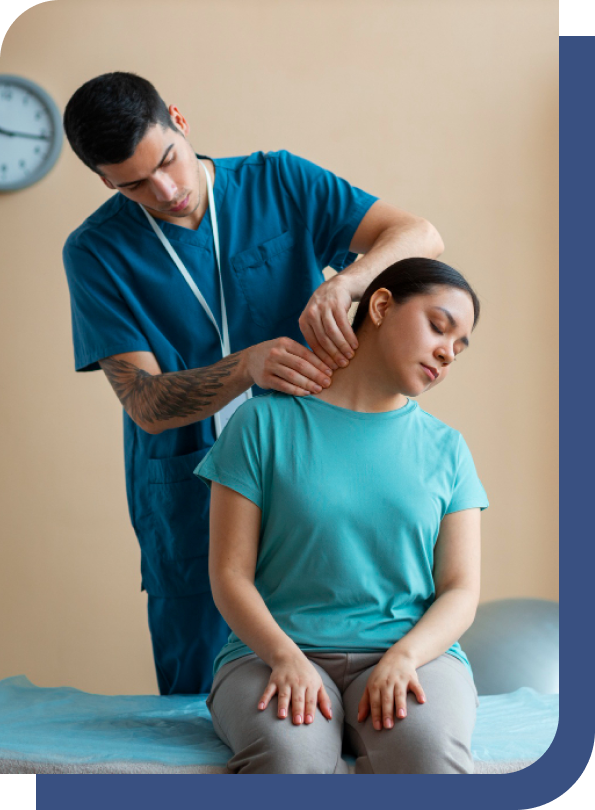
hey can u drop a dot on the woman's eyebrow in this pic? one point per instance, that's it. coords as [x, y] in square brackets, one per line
[453, 323]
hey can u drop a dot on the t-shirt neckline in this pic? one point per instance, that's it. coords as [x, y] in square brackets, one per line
[406, 409]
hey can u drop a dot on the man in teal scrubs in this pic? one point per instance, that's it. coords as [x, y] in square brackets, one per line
[134, 268]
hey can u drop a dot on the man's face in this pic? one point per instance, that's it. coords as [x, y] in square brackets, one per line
[162, 174]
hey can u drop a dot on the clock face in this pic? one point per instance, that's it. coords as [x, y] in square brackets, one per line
[30, 133]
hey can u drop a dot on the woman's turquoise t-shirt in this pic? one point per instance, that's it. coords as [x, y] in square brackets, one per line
[351, 508]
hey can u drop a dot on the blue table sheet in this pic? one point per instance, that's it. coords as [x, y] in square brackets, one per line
[65, 725]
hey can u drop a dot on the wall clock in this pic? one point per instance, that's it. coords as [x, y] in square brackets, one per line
[30, 132]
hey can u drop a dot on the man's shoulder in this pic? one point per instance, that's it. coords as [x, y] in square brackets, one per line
[100, 219]
[254, 159]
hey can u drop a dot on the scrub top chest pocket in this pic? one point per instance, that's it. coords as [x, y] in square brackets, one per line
[262, 273]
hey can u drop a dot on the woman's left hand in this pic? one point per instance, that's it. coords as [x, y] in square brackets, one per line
[386, 690]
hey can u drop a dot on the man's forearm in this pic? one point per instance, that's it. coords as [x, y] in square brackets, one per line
[417, 238]
[158, 402]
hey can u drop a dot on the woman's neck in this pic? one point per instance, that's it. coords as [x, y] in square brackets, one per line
[363, 386]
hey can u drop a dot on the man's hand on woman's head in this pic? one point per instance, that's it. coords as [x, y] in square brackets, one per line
[299, 690]
[386, 690]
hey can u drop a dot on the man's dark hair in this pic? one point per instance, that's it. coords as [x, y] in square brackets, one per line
[416, 276]
[108, 116]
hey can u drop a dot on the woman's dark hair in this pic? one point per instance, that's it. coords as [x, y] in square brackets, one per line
[109, 115]
[411, 277]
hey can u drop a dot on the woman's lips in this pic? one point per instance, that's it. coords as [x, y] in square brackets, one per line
[430, 372]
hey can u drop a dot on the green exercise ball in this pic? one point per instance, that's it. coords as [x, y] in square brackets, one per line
[514, 643]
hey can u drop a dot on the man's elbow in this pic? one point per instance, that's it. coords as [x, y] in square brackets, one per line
[432, 238]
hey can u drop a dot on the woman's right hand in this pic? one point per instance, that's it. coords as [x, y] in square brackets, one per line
[299, 686]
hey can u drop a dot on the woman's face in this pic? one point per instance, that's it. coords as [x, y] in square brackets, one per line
[418, 340]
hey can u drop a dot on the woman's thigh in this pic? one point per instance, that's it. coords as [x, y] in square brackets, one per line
[260, 741]
[434, 737]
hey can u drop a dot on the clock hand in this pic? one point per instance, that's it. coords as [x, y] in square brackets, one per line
[23, 135]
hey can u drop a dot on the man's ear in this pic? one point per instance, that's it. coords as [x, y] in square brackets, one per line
[178, 120]
[107, 182]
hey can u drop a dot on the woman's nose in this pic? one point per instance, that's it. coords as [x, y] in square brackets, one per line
[445, 354]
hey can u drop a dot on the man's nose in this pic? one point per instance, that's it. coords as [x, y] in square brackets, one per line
[164, 188]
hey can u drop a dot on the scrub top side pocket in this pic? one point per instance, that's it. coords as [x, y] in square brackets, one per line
[179, 507]
[272, 280]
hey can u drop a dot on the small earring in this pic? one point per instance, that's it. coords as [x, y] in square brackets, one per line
[378, 323]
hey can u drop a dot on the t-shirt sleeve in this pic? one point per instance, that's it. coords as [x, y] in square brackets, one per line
[330, 207]
[235, 460]
[468, 491]
[102, 322]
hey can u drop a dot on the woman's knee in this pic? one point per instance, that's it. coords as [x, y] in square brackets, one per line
[440, 752]
[285, 754]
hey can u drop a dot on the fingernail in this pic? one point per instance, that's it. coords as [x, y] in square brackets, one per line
[377, 725]
[309, 718]
[282, 712]
[349, 355]
[329, 372]
[401, 713]
[261, 705]
[297, 719]
[330, 713]
[388, 723]
[327, 382]
[342, 363]
[318, 388]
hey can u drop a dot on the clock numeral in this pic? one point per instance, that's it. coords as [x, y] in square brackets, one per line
[26, 99]
[37, 150]
[37, 116]
[22, 164]
[4, 167]
[7, 94]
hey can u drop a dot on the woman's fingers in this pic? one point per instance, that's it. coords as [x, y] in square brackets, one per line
[325, 703]
[267, 695]
[297, 705]
[376, 708]
[417, 690]
[363, 709]
[400, 701]
[283, 701]
[310, 705]
[387, 698]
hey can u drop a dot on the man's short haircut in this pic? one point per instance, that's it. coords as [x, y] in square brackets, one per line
[109, 115]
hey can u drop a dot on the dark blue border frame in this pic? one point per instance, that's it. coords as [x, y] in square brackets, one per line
[566, 759]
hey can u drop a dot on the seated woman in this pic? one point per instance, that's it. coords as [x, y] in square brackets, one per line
[345, 545]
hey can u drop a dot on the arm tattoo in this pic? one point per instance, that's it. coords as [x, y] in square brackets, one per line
[152, 398]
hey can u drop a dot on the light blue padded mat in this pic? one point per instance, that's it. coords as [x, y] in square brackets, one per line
[67, 726]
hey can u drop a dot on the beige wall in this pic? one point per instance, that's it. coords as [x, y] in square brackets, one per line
[448, 109]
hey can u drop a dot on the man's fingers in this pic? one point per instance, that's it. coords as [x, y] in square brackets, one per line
[336, 333]
[317, 349]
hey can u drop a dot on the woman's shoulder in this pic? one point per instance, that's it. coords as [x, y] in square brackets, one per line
[439, 429]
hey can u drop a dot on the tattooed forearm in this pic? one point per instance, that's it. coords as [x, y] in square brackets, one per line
[149, 398]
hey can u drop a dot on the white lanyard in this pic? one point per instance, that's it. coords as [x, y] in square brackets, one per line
[222, 417]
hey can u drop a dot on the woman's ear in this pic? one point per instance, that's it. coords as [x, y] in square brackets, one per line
[380, 301]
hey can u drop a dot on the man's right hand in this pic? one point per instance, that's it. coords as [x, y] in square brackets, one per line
[285, 365]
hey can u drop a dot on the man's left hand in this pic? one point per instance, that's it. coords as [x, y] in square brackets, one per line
[325, 325]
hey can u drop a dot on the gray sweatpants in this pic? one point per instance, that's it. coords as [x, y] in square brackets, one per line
[434, 737]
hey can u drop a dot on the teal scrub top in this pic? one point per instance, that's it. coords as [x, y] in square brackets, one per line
[282, 220]
[351, 509]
